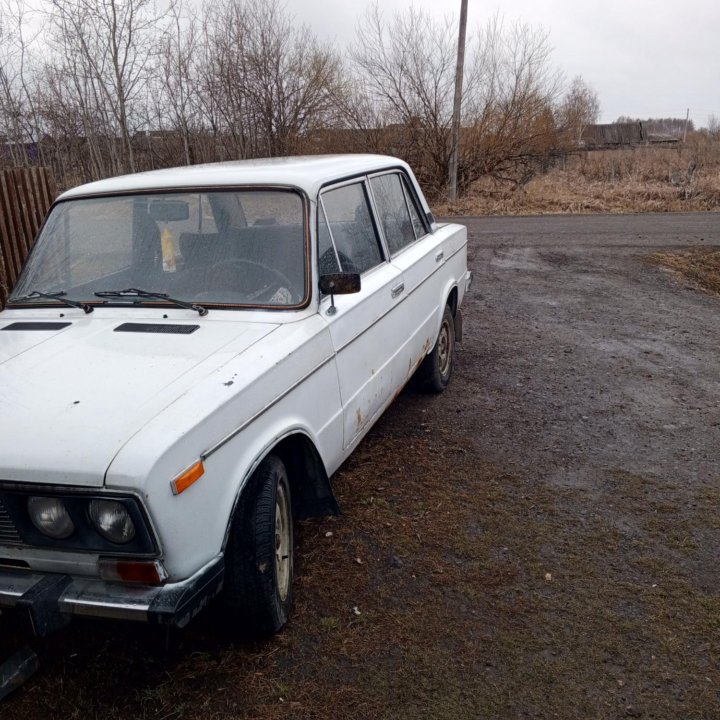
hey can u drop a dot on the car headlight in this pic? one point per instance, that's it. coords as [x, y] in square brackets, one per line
[50, 517]
[112, 520]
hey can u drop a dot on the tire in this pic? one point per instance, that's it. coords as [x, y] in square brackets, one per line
[259, 555]
[436, 369]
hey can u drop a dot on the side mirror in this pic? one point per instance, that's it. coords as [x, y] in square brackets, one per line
[339, 284]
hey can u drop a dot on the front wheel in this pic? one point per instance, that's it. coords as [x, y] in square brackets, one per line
[436, 369]
[259, 554]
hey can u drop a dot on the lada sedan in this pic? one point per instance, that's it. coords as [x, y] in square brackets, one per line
[187, 358]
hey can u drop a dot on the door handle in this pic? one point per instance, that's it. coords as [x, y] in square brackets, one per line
[397, 290]
[439, 256]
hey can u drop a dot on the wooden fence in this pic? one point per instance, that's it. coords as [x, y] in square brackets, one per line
[25, 197]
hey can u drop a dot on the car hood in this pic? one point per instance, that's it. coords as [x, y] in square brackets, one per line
[71, 397]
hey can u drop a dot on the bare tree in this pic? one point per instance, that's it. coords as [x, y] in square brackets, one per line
[111, 86]
[268, 82]
[406, 69]
[109, 47]
[514, 132]
[292, 77]
[714, 127]
[177, 79]
[19, 118]
[579, 108]
[10, 107]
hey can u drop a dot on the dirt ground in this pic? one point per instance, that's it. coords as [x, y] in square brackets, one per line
[540, 541]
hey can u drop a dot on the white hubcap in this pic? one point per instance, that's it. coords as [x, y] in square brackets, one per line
[282, 543]
[444, 349]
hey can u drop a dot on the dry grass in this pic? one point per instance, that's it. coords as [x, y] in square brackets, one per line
[701, 265]
[647, 179]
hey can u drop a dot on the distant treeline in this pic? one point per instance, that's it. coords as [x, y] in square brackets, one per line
[674, 127]
[94, 89]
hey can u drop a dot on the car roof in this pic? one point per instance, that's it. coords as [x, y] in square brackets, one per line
[308, 173]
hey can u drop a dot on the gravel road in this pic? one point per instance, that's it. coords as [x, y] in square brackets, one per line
[587, 355]
[591, 377]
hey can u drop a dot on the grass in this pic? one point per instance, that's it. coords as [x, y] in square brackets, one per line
[643, 179]
[701, 265]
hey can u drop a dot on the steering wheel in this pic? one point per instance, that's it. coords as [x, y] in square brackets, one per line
[264, 288]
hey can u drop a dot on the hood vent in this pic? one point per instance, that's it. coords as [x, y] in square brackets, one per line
[162, 328]
[36, 326]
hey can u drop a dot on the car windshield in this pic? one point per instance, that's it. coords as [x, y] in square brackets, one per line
[239, 247]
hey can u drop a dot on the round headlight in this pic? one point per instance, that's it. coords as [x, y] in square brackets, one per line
[112, 520]
[50, 517]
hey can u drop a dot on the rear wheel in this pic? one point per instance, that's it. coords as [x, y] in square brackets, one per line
[259, 554]
[436, 369]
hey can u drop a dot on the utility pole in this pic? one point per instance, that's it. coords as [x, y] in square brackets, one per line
[455, 132]
[687, 118]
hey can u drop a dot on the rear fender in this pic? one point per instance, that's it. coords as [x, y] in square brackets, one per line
[448, 297]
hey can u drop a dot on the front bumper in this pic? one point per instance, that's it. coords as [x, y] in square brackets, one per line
[52, 599]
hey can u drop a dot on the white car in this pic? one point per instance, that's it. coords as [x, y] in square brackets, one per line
[187, 358]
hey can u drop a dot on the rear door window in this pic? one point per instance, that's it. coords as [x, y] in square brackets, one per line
[352, 230]
[393, 211]
[412, 203]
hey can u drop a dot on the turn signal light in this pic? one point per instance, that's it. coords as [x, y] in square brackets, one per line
[133, 571]
[190, 476]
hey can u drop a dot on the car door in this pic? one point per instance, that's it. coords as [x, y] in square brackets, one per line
[418, 255]
[366, 330]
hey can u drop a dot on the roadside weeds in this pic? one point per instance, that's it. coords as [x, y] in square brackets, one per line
[701, 265]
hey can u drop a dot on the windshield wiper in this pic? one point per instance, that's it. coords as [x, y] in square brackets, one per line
[59, 296]
[135, 293]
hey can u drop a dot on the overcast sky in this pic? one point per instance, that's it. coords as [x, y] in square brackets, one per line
[644, 58]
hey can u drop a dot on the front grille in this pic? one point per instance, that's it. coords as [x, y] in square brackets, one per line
[8, 532]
